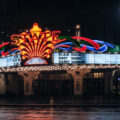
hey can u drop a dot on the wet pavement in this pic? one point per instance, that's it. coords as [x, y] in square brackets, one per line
[59, 113]
[64, 108]
[73, 100]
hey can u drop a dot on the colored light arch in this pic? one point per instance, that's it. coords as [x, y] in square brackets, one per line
[96, 45]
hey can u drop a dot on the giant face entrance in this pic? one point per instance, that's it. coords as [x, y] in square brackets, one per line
[54, 83]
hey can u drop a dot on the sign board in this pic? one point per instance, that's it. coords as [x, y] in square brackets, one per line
[101, 58]
[86, 58]
[68, 58]
[10, 61]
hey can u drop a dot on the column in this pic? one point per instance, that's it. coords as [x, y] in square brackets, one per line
[2, 84]
[78, 76]
[28, 79]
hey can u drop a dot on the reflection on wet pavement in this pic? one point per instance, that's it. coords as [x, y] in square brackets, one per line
[57, 113]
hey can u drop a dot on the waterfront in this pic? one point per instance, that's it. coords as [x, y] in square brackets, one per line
[59, 113]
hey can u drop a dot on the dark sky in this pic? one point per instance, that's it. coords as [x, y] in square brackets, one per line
[67, 11]
[99, 19]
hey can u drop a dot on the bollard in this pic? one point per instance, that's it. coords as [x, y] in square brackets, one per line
[51, 101]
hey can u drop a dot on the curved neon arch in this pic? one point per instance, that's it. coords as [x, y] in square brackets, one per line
[94, 47]
[101, 49]
[105, 43]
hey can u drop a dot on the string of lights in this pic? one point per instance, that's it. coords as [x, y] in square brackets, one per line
[58, 67]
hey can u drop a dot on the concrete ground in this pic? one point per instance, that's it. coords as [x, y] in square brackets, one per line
[62, 108]
[61, 101]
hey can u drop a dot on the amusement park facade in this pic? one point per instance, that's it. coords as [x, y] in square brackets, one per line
[47, 64]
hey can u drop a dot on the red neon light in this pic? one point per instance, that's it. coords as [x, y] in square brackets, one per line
[4, 44]
[62, 46]
[59, 41]
[88, 40]
[3, 54]
[80, 49]
[77, 49]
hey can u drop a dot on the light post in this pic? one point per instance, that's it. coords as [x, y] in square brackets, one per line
[77, 27]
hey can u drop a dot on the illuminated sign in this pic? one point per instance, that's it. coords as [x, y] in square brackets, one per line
[68, 58]
[35, 61]
[102, 58]
[36, 44]
[10, 61]
[79, 58]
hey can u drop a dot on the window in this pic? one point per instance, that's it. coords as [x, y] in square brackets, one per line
[96, 75]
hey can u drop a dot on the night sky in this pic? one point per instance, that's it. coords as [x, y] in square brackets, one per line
[99, 19]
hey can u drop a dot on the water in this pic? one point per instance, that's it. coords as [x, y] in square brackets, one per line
[57, 113]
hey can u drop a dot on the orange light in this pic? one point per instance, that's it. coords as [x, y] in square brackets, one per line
[23, 57]
[35, 30]
[23, 52]
[21, 47]
[48, 33]
[48, 56]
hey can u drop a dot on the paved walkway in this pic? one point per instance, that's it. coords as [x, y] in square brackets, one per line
[62, 101]
[59, 113]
